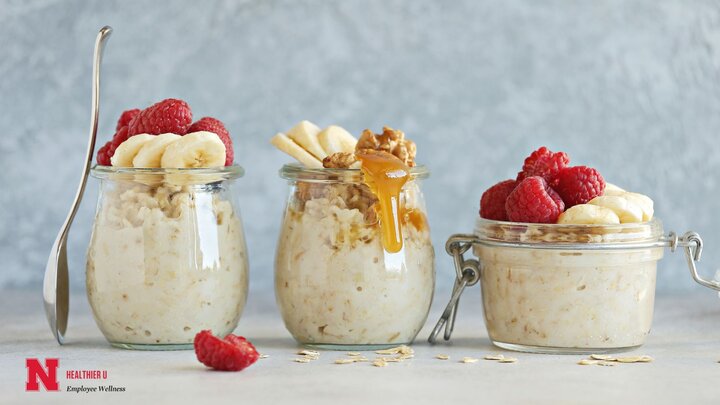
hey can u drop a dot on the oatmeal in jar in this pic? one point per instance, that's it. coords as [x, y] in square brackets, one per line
[354, 263]
[167, 255]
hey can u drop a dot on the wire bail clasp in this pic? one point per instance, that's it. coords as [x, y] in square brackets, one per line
[467, 273]
[692, 244]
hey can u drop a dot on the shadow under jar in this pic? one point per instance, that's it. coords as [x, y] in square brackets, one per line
[167, 256]
[335, 284]
[565, 289]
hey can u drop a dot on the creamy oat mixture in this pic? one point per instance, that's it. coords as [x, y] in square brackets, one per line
[568, 299]
[334, 282]
[165, 262]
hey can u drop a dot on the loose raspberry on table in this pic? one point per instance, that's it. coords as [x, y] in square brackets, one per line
[234, 353]
[544, 163]
[126, 117]
[492, 202]
[533, 200]
[168, 116]
[215, 126]
[579, 184]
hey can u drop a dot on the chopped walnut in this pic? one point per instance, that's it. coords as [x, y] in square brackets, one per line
[339, 160]
[392, 141]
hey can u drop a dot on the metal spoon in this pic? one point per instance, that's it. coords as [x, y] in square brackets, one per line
[56, 293]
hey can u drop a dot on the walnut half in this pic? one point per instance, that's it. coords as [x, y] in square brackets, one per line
[339, 160]
[392, 141]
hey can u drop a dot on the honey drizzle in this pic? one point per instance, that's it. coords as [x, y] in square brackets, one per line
[386, 175]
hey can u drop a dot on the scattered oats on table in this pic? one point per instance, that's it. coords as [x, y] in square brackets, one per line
[605, 357]
[264, 356]
[396, 350]
[588, 362]
[442, 357]
[508, 360]
[469, 360]
[379, 363]
[354, 354]
[306, 352]
[302, 360]
[494, 357]
[345, 361]
[634, 359]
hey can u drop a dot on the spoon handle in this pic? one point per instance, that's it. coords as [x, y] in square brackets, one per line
[100, 41]
[56, 291]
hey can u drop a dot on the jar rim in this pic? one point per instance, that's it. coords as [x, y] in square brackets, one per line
[224, 172]
[295, 171]
[521, 234]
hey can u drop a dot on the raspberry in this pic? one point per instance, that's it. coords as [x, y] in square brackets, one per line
[102, 155]
[120, 136]
[111, 149]
[234, 353]
[533, 200]
[492, 202]
[579, 184]
[215, 126]
[170, 115]
[544, 163]
[126, 117]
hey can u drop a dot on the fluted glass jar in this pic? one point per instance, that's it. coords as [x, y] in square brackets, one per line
[167, 256]
[335, 284]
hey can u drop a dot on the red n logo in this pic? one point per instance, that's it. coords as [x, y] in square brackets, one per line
[37, 373]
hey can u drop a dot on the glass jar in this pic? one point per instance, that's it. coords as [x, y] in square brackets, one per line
[167, 256]
[335, 284]
[550, 288]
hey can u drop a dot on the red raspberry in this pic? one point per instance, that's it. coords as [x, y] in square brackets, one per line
[170, 115]
[111, 149]
[534, 201]
[544, 163]
[215, 126]
[126, 117]
[579, 184]
[492, 202]
[102, 155]
[232, 354]
[120, 136]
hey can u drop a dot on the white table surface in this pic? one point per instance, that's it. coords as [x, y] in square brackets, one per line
[685, 343]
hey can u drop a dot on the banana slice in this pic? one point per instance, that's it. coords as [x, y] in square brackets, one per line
[197, 149]
[644, 202]
[152, 152]
[588, 214]
[611, 189]
[287, 145]
[305, 134]
[625, 209]
[334, 139]
[126, 151]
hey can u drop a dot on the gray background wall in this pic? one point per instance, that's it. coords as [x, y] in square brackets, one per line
[631, 88]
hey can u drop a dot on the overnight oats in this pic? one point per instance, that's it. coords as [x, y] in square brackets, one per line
[167, 256]
[541, 293]
[354, 263]
[567, 262]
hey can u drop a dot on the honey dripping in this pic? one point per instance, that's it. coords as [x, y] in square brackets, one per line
[386, 175]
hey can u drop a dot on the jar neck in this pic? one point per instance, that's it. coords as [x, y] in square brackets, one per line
[296, 172]
[539, 234]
